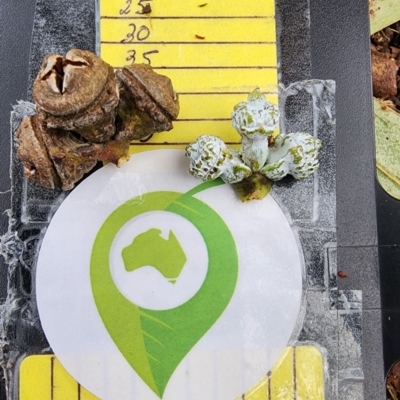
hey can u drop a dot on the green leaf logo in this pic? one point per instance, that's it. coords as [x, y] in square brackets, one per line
[149, 248]
[154, 342]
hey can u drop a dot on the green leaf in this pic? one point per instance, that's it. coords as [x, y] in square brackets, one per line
[155, 342]
[387, 143]
[383, 13]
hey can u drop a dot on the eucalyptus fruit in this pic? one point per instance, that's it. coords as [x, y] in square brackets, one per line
[87, 113]
[263, 157]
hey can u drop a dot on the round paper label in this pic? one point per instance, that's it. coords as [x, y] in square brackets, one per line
[154, 285]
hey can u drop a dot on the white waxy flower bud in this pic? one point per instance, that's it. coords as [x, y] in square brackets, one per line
[210, 159]
[255, 120]
[295, 154]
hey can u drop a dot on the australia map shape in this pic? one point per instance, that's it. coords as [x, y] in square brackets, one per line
[151, 249]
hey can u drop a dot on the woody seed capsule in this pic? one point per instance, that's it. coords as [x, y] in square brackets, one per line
[77, 93]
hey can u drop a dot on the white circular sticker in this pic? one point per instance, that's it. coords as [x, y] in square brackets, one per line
[154, 285]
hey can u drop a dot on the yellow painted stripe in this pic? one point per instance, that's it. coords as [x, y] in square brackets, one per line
[188, 8]
[170, 30]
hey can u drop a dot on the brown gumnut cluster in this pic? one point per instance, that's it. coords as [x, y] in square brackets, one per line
[87, 113]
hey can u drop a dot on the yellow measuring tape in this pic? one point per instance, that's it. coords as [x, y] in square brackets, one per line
[299, 374]
[214, 52]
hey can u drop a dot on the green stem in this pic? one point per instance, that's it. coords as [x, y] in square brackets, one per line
[255, 187]
[204, 186]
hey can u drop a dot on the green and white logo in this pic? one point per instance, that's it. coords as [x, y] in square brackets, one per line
[152, 286]
[154, 342]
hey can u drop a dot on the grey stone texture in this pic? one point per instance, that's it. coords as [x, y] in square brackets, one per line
[360, 264]
[373, 355]
[347, 61]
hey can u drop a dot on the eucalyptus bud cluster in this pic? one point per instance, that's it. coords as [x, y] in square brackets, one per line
[263, 156]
